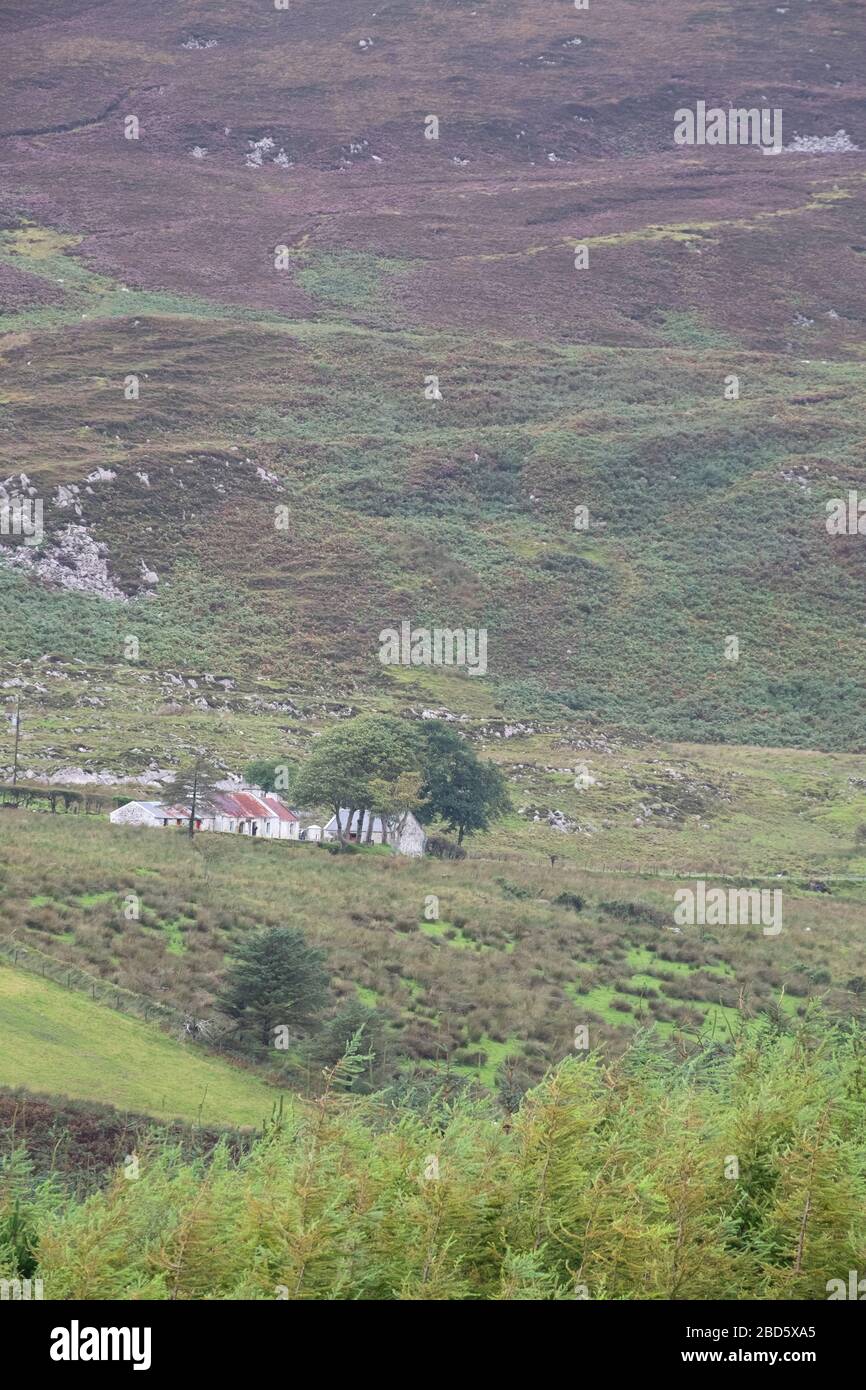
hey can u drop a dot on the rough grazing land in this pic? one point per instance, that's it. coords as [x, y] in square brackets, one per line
[521, 952]
[405, 256]
[230, 262]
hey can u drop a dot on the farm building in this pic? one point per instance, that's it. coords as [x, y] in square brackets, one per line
[410, 838]
[235, 813]
[148, 813]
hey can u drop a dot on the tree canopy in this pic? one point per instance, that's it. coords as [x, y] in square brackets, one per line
[362, 766]
[458, 788]
[270, 776]
[276, 979]
[388, 767]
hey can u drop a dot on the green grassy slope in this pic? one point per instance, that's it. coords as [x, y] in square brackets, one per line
[501, 978]
[58, 1042]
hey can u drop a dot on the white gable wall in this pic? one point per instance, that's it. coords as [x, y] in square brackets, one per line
[411, 840]
[135, 813]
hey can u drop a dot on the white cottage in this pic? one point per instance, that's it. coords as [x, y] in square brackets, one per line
[228, 813]
[149, 813]
[410, 839]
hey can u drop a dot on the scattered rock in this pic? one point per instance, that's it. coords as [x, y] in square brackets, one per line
[840, 143]
[72, 559]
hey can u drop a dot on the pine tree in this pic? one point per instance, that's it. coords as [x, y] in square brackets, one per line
[276, 980]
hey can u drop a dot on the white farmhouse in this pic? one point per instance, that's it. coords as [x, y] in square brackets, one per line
[410, 839]
[229, 813]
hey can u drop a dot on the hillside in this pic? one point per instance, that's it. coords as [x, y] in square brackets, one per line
[325, 323]
[57, 1041]
[303, 387]
[645, 803]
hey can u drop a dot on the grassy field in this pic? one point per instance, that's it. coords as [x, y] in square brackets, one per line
[521, 951]
[56, 1041]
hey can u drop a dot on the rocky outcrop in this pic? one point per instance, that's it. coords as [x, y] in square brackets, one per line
[72, 560]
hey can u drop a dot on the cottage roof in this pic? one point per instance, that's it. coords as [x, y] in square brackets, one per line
[153, 808]
[239, 805]
[249, 805]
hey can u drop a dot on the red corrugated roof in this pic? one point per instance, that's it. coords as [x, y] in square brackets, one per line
[249, 805]
[241, 805]
[283, 812]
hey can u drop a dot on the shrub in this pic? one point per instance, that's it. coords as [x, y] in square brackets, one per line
[595, 1139]
[572, 900]
[443, 848]
[635, 912]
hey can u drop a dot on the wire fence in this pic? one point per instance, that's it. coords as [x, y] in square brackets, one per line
[38, 962]
[636, 869]
[241, 1045]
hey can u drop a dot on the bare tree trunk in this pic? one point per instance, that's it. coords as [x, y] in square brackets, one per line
[191, 825]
